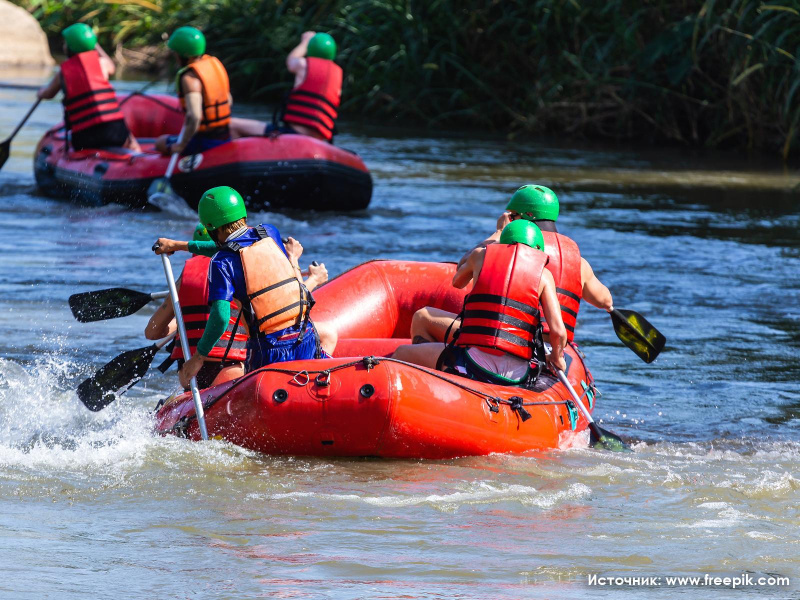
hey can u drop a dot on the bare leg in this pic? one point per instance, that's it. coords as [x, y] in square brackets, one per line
[328, 337]
[426, 355]
[229, 373]
[246, 127]
[132, 143]
[430, 325]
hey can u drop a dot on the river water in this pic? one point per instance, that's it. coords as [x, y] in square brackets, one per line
[96, 506]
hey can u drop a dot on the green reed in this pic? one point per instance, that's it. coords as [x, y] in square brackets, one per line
[713, 73]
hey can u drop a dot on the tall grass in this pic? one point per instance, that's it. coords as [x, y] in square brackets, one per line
[713, 73]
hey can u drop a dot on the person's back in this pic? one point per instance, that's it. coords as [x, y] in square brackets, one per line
[499, 334]
[91, 111]
[204, 94]
[251, 265]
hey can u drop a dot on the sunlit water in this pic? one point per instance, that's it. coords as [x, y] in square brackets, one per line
[94, 505]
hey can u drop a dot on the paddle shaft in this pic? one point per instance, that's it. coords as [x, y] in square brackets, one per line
[173, 291]
[577, 401]
[24, 120]
[173, 160]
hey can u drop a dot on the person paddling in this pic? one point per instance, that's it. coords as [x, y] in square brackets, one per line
[205, 96]
[252, 266]
[499, 339]
[226, 357]
[312, 106]
[574, 277]
[91, 111]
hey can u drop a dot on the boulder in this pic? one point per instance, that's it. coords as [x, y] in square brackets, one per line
[23, 41]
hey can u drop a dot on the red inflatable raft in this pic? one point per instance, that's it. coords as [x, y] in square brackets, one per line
[286, 171]
[363, 404]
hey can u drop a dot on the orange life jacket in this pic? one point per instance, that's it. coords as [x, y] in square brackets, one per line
[216, 90]
[278, 299]
[565, 266]
[502, 310]
[89, 98]
[315, 102]
[193, 296]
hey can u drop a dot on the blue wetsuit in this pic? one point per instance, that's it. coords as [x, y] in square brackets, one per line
[226, 282]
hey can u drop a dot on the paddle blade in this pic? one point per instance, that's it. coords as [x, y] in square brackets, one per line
[161, 195]
[638, 334]
[5, 152]
[107, 304]
[603, 439]
[116, 377]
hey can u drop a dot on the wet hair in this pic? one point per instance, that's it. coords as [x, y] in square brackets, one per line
[225, 230]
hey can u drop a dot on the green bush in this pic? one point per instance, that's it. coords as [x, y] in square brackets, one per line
[700, 73]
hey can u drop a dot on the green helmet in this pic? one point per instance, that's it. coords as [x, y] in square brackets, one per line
[322, 46]
[201, 234]
[535, 202]
[79, 38]
[187, 42]
[523, 232]
[220, 206]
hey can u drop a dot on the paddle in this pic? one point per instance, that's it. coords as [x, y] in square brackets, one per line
[112, 303]
[161, 195]
[117, 376]
[176, 305]
[5, 147]
[599, 438]
[638, 334]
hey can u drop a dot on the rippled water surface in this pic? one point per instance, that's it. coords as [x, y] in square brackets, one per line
[93, 505]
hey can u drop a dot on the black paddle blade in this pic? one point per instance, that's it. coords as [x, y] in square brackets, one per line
[5, 152]
[107, 304]
[638, 334]
[116, 377]
[605, 440]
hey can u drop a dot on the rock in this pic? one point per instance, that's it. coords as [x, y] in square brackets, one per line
[23, 41]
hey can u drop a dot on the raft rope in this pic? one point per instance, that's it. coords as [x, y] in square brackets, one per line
[303, 378]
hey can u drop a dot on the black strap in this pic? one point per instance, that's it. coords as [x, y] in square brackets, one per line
[309, 117]
[312, 95]
[503, 301]
[503, 318]
[269, 288]
[233, 335]
[281, 311]
[492, 331]
[85, 95]
[564, 292]
[95, 114]
[315, 107]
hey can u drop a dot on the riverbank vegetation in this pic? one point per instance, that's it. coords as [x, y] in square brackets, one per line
[701, 73]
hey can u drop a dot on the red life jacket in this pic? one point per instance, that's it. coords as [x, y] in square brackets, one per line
[565, 266]
[193, 296]
[89, 98]
[315, 102]
[502, 310]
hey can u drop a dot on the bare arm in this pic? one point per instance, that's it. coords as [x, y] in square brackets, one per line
[193, 96]
[162, 323]
[51, 89]
[594, 292]
[296, 60]
[470, 269]
[552, 312]
[317, 275]
[108, 66]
